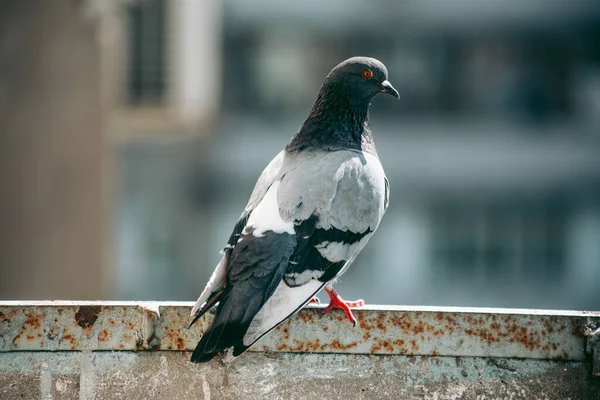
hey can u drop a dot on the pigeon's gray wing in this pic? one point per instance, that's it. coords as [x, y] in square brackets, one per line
[300, 233]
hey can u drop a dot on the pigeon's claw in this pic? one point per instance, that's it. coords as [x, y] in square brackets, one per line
[314, 300]
[337, 302]
[356, 303]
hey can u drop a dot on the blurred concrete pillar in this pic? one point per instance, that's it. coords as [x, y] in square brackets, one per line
[195, 72]
[52, 202]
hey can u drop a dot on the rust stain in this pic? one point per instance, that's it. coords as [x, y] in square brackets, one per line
[414, 345]
[71, 340]
[307, 316]
[364, 324]
[376, 348]
[306, 346]
[86, 316]
[33, 321]
[18, 337]
[388, 346]
[313, 346]
[104, 335]
[337, 345]
[281, 347]
[381, 322]
[180, 344]
[396, 320]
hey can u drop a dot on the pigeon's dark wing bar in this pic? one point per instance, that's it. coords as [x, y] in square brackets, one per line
[309, 262]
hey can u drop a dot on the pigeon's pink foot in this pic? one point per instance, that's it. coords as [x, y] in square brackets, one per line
[314, 300]
[337, 302]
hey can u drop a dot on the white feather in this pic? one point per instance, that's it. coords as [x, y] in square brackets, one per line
[217, 278]
[305, 275]
[284, 301]
[266, 217]
[338, 251]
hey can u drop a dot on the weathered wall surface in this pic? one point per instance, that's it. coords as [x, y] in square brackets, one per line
[169, 375]
[64, 350]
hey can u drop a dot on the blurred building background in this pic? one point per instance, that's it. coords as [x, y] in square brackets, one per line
[132, 132]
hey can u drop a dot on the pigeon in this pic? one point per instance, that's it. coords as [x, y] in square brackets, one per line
[311, 212]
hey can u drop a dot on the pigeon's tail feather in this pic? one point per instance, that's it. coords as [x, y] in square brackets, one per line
[212, 300]
[228, 327]
[213, 340]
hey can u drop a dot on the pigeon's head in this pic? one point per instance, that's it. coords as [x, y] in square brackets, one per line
[361, 78]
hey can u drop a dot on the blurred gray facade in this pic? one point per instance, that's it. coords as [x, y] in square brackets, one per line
[52, 154]
[492, 152]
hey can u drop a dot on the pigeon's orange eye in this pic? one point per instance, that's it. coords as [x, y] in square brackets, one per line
[367, 73]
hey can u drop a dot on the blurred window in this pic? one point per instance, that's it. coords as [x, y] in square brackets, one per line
[147, 55]
[489, 241]
[516, 76]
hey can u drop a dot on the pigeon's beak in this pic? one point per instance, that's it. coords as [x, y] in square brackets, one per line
[386, 87]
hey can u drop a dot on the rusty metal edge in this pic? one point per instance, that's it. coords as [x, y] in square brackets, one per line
[402, 330]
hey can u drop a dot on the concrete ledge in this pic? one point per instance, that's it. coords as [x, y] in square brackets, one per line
[469, 332]
[105, 350]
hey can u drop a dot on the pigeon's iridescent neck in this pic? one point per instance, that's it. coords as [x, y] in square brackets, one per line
[336, 123]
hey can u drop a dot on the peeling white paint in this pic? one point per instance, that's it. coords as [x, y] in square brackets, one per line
[205, 388]
[45, 383]
[87, 384]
